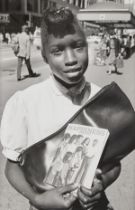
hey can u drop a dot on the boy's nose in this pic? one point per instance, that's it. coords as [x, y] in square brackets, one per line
[70, 58]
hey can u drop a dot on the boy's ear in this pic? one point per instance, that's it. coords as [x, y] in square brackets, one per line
[45, 59]
[44, 56]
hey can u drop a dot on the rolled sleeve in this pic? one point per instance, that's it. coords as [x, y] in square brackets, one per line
[13, 127]
[10, 154]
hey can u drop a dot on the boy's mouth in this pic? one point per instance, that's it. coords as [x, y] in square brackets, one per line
[72, 70]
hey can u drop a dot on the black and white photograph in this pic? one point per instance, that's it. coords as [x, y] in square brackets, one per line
[67, 64]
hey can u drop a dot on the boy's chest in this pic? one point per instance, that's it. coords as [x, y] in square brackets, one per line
[48, 117]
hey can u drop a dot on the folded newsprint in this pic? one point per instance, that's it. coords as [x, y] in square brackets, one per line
[77, 156]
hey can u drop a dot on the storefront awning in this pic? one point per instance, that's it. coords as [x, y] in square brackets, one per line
[108, 14]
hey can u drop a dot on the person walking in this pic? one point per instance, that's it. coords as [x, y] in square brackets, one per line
[103, 48]
[24, 45]
[114, 45]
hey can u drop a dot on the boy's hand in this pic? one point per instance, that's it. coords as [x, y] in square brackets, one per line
[89, 198]
[58, 198]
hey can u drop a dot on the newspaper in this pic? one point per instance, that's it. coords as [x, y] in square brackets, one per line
[77, 156]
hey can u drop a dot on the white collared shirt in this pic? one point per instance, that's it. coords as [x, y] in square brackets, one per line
[33, 114]
[24, 45]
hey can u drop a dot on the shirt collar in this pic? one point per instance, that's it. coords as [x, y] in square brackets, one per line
[62, 90]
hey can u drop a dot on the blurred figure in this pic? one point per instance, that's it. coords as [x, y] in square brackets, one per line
[24, 43]
[134, 43]
[8, 38]
[107, 45]
[122, 46]
[103, 48]
[128, 46]
[1, 38]
[114, 46]
[37, 38]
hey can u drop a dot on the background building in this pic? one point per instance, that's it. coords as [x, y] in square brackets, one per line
[15, 13]
[20, 12]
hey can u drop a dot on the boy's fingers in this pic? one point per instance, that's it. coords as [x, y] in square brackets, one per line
[85, 199]
[97, 187]
[68, 188]
[95, 198]
[89, 205]
[69, 201]
[86, 191]
[98, 173]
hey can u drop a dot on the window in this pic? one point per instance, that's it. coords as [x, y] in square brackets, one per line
[43, 5]
[32, 5]
[13, 5]
[1, 7]
[52, 4]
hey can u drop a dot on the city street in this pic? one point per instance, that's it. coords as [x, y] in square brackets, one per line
[121, 193]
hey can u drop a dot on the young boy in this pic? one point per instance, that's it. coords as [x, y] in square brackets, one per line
[36, 112]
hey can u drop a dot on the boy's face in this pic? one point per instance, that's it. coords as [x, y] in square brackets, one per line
[68, 56]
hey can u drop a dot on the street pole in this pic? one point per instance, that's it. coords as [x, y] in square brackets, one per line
[29, 22]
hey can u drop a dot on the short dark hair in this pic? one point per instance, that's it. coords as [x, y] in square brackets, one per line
[57, 22]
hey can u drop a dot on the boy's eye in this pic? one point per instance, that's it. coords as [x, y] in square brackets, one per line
[56, 51]
[79, 45]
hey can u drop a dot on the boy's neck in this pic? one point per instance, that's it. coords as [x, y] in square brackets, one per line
[67, 86]
[71, 90]
[79, 93]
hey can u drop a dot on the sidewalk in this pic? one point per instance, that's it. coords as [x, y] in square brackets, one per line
[4, 45]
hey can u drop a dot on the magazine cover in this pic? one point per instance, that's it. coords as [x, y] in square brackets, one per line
[77, 157]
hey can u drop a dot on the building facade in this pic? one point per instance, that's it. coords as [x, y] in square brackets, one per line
[15, 13]
[19, 12]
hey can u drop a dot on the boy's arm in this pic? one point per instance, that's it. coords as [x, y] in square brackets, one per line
[110, 176]
[89, 198]
[49, 199]
[104, 179]
[16, 178]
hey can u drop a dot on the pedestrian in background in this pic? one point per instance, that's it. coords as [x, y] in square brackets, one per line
[24, 44]
[128, 46]
[114, 45]
[103, 48]
[1, 38]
